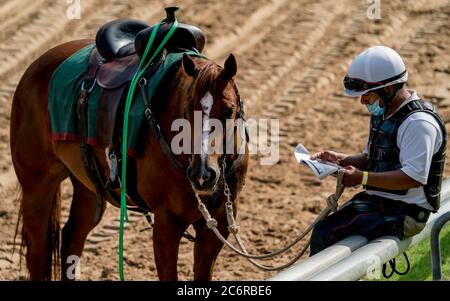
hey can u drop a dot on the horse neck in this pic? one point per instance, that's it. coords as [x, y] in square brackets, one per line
[172, 104]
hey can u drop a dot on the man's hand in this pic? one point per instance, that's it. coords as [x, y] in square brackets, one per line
[330, 156]
[352, 176]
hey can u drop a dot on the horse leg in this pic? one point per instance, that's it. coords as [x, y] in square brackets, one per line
[167, 233]
[206, 248]
[40, 211]
[81, 221]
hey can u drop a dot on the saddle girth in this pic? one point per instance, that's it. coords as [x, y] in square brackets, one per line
[87, 156]
[90, 161]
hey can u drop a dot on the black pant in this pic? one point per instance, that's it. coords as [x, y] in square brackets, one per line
[364, 215]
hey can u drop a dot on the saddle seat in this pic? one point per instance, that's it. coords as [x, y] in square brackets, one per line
[120, 45]
[115, 39]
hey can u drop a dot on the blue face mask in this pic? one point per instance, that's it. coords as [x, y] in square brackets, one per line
[375, 108]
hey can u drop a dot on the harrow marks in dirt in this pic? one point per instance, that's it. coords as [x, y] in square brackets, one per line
[288, 47]
[44, 30]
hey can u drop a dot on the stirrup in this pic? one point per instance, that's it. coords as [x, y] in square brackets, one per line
[113, 179]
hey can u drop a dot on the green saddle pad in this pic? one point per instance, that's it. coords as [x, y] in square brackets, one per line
[65, 88]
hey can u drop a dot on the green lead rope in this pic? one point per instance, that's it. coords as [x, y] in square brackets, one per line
[137, 76]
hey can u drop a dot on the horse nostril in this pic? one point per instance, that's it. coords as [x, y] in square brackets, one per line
[212, 175]
[203, 179]
[204, 176]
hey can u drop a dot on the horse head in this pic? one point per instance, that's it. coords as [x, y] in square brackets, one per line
[214, 103]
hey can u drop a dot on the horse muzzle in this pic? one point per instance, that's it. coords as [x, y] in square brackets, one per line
[203, 180]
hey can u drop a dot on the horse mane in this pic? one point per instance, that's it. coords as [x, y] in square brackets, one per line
[207, 76]
[205, 80]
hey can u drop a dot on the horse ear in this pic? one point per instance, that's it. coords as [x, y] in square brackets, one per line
[189, 66]
[230, 69]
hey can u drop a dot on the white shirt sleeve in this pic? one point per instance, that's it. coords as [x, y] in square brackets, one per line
[419, 137]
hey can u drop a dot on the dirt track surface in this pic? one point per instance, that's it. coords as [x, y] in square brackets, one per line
[292, 57]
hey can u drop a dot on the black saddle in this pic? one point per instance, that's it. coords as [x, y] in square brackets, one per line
[185, 37]
[124, 37]
[115, 39]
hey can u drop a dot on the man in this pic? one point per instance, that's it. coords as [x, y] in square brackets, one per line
[402, 165]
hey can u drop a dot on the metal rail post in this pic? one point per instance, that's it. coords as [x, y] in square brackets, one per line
[435, 245]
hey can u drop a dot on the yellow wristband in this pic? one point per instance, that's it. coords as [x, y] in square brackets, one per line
[365, 178]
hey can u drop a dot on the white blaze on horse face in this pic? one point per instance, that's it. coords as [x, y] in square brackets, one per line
[207, 103]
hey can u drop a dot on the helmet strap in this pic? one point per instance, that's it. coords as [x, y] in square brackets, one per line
[386, 98]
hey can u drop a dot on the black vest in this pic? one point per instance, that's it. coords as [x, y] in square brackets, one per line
[384, 154]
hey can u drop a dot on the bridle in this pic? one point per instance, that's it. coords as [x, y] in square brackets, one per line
[165, 145]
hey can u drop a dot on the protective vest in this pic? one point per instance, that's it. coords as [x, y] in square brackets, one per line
[384, 154]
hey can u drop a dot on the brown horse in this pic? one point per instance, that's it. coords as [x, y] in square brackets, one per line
[41, 164]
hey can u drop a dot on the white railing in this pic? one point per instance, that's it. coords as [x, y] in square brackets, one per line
[353, 257]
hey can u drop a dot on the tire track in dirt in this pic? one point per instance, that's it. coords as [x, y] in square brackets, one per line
[255, 28]
[219, 19]
[286, 46]
[14, 9]
[16, 14]
[48, 27]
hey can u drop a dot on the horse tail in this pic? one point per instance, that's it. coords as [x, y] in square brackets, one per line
[53, 262]
[53, 258]
[18, 224]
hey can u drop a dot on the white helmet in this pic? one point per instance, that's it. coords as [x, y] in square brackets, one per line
[374, 68]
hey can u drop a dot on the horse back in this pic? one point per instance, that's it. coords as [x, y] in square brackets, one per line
[31, 95]
[39, 73]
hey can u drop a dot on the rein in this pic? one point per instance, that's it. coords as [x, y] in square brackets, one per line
[233, 228]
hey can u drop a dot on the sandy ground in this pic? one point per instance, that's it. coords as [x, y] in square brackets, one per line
[292, 57]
